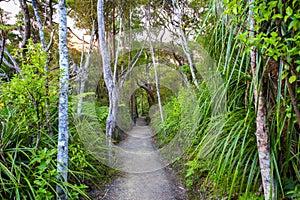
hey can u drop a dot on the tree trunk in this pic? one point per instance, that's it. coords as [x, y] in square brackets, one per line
[262, 131]
[42, 39]
[183, 42]
[62, 152]
[108, 77]
[155, 74]
[84, 72]
[26, 16]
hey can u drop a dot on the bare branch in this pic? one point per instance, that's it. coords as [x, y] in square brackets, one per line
[84, 69]
[2, 43]
[155, 71]
[71, 31]
[40, 26]
[136, 58]
[26, 16]
[51, 40]
[14, 65]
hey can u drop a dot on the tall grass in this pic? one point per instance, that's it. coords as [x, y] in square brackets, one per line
[28, 164]
[223, 160]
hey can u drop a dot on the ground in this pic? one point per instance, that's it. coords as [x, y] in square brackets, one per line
[143, 176]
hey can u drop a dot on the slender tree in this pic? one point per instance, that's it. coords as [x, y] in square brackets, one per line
[27, 29]
[109, 80]
[62, 152]
[83, 76]
[155, 70]
[262, 130]
[46, 49]
[183, 41]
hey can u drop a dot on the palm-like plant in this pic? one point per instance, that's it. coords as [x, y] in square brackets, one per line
[224, 153]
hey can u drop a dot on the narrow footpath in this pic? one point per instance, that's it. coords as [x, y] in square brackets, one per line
[144, 177]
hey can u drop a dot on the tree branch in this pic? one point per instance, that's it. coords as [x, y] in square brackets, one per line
[40, 25]
[26, 16]
[6, 62]
[51, 40]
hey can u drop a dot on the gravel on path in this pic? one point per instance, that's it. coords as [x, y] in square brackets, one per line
[144, 176]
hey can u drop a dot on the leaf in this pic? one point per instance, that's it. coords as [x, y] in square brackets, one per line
[277, 16]
[284, 75]
[292, 24]
[274, 34]
[235, 11]
[272, 4]
[292, 79]
[289, 11]
[298, 69]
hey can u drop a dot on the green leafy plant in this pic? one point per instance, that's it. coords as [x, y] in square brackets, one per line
[28, 165]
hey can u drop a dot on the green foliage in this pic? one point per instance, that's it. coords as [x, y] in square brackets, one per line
[222, 160]
[292, 188]
[28, 166]
[172, 112]
[277, 32]
[27, 172]
[251, 196]
[26, 94]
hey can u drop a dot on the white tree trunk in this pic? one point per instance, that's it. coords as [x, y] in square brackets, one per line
[262, 131]
[41, 32]
[108, 77]
[155, 72]
[157, 85]
[84, 71]
[183, 42]
[63, 136]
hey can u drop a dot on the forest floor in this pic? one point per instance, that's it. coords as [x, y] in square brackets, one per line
[142, 176]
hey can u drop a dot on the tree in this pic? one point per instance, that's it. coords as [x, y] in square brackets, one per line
[63, 135]
[109, 80]
[155, 70]
[46, 49]
[83, 75]
[262, 130]
[27, 31]
[183, 41]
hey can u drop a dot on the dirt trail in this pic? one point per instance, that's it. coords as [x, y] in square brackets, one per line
[144, 177]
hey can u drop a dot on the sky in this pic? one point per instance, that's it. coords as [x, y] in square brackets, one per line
[13, 8]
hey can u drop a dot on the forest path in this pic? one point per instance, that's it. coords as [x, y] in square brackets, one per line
[144, 178]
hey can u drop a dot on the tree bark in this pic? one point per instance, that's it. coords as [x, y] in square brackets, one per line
[262, 131]
[183, 43]
[293, 99]
[155, 73]
[84, 71]
[63, 136]
[26, 16]
[108, 77]
[15, 65]
[40, 25]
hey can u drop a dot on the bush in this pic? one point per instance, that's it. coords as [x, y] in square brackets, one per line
[28, 167]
